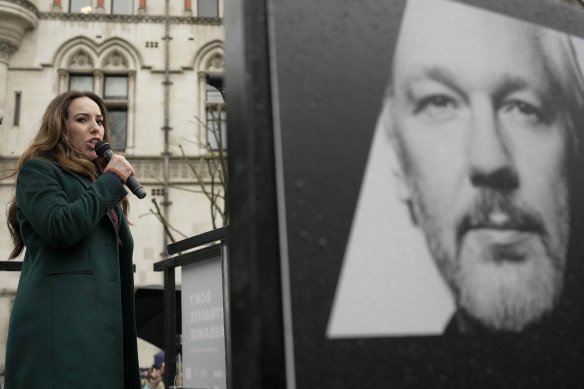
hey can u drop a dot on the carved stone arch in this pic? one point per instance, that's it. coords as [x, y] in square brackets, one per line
[118, 54]
[215, 63]
[210, 58]
[77, 54]
[80, 60]
[114, 60]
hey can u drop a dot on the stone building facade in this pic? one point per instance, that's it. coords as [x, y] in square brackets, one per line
[149, 60]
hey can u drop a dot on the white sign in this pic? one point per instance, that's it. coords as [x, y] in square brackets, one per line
[203, 333]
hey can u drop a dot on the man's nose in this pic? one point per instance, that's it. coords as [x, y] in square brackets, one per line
[490, 156]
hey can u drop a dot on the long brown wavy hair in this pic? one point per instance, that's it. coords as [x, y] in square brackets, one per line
[52, 143]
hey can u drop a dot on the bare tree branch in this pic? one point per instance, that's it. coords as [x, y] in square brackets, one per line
[163, 221]
[210, 171]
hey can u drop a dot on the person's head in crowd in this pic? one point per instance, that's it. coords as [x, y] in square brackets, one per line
[483, 111]
[154, 376]
[159, 360]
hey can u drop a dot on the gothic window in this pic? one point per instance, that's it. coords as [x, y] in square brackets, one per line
[80, 6]
[213, 129]
[17, 99]
[107, 70]
[115, 94]
[115, 87]
[122, 7]
[115, 97]
[216, 119]
[81, 82]
[208, 9]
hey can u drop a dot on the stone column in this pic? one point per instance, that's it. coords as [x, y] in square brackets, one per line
[188, 8]
[99, 8]
[98, 83]
[63, 81]
[6, 50]
[142, 7]
[57, 6]
[131, 133]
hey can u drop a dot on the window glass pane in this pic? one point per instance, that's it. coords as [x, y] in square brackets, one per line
[216, 126]
[80, 6]
[213, 95]
[122, 7]
[208, 9]
[115, 88]
[81, 82]
[118, 121]
[17, 96]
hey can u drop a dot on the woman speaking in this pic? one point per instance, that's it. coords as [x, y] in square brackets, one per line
[73, 321]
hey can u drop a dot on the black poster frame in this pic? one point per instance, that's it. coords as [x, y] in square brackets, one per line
[256, 328]
[266, 352]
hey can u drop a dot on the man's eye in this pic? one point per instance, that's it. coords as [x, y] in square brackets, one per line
[439, 106]
[524, 108]
[524, 111]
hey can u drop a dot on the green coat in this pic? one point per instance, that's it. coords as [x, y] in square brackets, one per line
[73, 322]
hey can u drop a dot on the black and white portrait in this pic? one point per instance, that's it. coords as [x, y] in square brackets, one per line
[469, 211]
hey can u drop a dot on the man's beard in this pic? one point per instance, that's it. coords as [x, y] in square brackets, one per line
[502, 293]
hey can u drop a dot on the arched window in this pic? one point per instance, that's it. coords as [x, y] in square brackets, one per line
[210, 60]
[215, 119]
[115, 93]
[107, 70]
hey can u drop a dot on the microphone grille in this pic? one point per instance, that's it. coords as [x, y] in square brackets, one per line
[101, 148]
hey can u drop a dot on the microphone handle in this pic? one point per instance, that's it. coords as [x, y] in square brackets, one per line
[131, 182]
[135, 187]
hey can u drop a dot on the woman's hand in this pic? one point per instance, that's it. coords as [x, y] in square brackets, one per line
[120, 164]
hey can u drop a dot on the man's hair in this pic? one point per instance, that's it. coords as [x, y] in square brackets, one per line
[560, 63]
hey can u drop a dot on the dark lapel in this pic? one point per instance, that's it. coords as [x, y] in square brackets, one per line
[86, 183]
[82, 179]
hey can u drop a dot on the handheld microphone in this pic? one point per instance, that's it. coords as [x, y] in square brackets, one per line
[104, 150]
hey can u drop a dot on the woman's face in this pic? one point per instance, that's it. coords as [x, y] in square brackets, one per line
[85, 126]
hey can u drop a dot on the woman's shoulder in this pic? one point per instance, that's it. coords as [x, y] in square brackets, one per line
[39, 163]
[35, 168]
